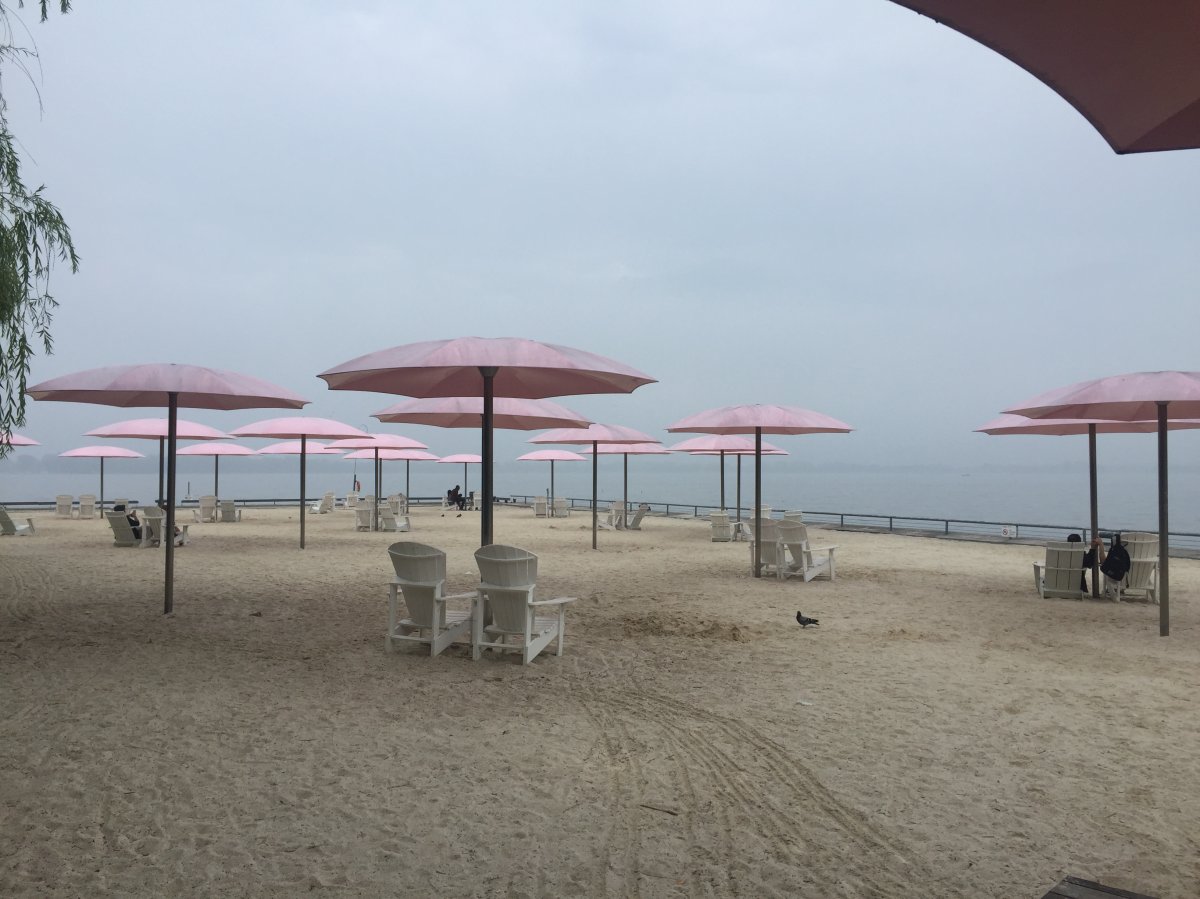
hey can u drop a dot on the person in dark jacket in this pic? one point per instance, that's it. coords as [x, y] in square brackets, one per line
[1094, 556]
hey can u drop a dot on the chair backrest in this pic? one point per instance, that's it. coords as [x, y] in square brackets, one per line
[152, 522]
[122, 531]
[228, 510]
[770, 529]
[387, 518]
[118, 502]
[362, 517]
[351, 499]
[418, 563]
[638, 516]
[1143, 558]
[401, 503]
[793, 515]
[1064, 566]
[87, 505]
[793, 533]
[208, 507]
[539, 507]
[506, 566]
[63, 504]
[561, 506]
[6, 524]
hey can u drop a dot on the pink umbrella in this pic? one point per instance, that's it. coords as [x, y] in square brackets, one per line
[377, 442]
[595, 434]
[1140, 396]
[1060, 427]
[216, 450]
[156, 429]
[1129, 68]
[760, 419]
[15, 439]
[551, 456]
[170, 385]
[489, 367]
[297, 447]
[101, 453]
[300, 427]
[466, 459]
[511, 413]
[722, 445]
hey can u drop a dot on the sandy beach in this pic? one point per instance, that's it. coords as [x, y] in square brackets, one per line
[943, 732]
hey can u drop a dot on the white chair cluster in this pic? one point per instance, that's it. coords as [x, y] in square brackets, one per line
[64, 506]
[503, 614]
[786, 551]
[1060, 574]
[152, 527]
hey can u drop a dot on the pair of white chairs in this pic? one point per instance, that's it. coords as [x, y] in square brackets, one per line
[1060, 575]
[152, 526]
[503, 612]
[9, 528]
[787, 552]
[364, 519]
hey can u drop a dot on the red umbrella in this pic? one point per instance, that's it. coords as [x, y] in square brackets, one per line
[156, 429]
[723, 445]
[595, 434]
[216, 450]
[1129, 68]
[378, 442]
[1140, 396]
[551, 456]
[102, 453]
[299, 427]
[489, 367]
[760, 419]
[170, 385]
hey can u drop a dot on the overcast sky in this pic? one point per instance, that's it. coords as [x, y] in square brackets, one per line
[835, 204]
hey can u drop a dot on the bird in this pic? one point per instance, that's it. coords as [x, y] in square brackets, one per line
[805, 622]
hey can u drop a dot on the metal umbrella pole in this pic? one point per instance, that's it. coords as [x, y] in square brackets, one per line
[1095, 508]
[758, 502]
[1164, 597]
[169, 536]
[485, 518]
[595, 481]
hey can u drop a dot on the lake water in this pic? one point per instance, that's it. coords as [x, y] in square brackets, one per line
[1128, 497]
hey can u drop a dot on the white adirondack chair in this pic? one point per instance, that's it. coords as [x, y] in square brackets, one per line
[122, 531]
[363, 518]
[636, 523]
[722, 530]
[539, 507]
[421, 578]
[390, 521]
[87, 505]
[324, 505]
[1141, 581]
[1061, 573]
[64, 506]
[229, 511]
[774, 553]
[352, 499]
[9, 528]
[562, 507]
[508, 577]
[208, 509]
[806, 561]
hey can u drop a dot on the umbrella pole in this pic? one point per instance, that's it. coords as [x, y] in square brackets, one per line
[758, 502]
[216, 476]
[722, 462]
[1164, 596]
[739, 487]
[485, 517]
[1095, 507]
[160, 471]
[550, 511]
[378, 473]
[595, 516]
[625, 497]
[101, 488]
[303, 453]
[168, 535]
[408, 478]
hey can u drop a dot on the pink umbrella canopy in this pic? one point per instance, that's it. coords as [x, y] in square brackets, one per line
[392, 455]
[512, 413]
[156, 429]
[301, 428]
[159, 384]
[1128, 68]
[489, 367]
[15, 439]
[628, 449]
[759, 419]
[101, 453]
[295, 448]
[216, 450]
[378, 441]
[1140, 396]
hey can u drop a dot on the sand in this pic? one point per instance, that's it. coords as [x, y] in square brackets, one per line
[943, 732]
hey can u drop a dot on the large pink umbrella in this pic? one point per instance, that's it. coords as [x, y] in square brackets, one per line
[216, 450]
[1140, 396]
[1128, 68]
[14, 439]
[551, 456]
[759, 419]
[489, 367]
[101, 453]
[723, 445]
[159, 384]
[377, 442]
[595, 435]
[301, 428]
[512, 413]
[156, 429]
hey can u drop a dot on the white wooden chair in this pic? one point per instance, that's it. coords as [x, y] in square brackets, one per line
[352, 499]
[364, 518]
[774, 553]
[539, 507]
[1141, 581]
[154, 522]
[421, 578]
[390, 521]
[324, 505]
[122, 531]
[64, 506]
[807, 561]
[9, 528]
[722, 530]
[208, 509]
[615, 521]
[635, 523]
[401, 506]
[508, 576]
[229, 511]
[1060, 575]
[472, 502]
[562, 507]
[123, 503]
[87, 505]
[793, 515]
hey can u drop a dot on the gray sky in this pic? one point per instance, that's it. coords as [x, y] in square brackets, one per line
[835, 204]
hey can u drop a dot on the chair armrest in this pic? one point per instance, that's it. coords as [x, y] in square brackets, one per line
[470, 595]
[554, 602]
